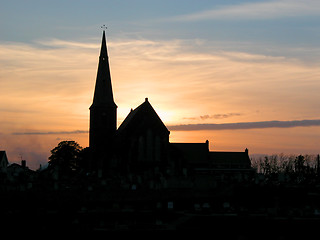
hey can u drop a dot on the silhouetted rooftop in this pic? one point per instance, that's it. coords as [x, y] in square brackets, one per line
[3, 157]
[143, 116]
[230, 158]
[2, 154]
[193, 152]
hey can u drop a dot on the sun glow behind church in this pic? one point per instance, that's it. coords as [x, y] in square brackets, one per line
[182, 85]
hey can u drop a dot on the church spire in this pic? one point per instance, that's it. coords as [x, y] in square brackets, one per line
[103, 111]
[103, 95]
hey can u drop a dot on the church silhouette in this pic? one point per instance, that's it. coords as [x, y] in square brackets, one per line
[133, 179]
[140, 146]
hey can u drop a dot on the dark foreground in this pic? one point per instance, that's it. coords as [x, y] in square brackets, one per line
[243, 213]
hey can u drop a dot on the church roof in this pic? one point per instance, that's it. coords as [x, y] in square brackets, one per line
[230, 158]
[192, 152]
[142, 117]
[103, 96]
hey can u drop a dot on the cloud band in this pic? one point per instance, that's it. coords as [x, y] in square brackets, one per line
[209, 126]
[51, 132]
[245, 125]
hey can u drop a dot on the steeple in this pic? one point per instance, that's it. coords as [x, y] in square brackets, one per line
[103, 112]
[103, 95]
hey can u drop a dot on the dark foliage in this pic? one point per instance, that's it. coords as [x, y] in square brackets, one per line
[66, 156]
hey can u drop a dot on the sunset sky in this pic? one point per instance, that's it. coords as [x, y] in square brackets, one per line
[242, 74]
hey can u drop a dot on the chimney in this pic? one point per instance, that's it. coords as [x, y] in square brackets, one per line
[23, 163]
[246, 151]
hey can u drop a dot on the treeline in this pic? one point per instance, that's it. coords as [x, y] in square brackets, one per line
[296, 168]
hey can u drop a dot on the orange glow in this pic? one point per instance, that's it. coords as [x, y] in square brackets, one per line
[298, 140]
[51, 89]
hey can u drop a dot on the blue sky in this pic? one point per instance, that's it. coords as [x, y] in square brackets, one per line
[216, 62]
[288, 28]
[287, 22]
[277, 28]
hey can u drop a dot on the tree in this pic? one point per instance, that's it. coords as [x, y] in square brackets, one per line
[299, 164]
[65, 156]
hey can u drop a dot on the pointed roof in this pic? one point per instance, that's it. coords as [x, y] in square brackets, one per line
[103, 95]
[143, 117]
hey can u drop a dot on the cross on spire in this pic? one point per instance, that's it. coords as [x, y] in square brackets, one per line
[104, 27]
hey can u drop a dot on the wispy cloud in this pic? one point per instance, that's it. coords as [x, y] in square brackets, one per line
[219, 116]
[205, 126]
[58, 43]
[257, 10]
[51, 132]
[44, 79]
[50, 88]
[245, 125]
[213, 116]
